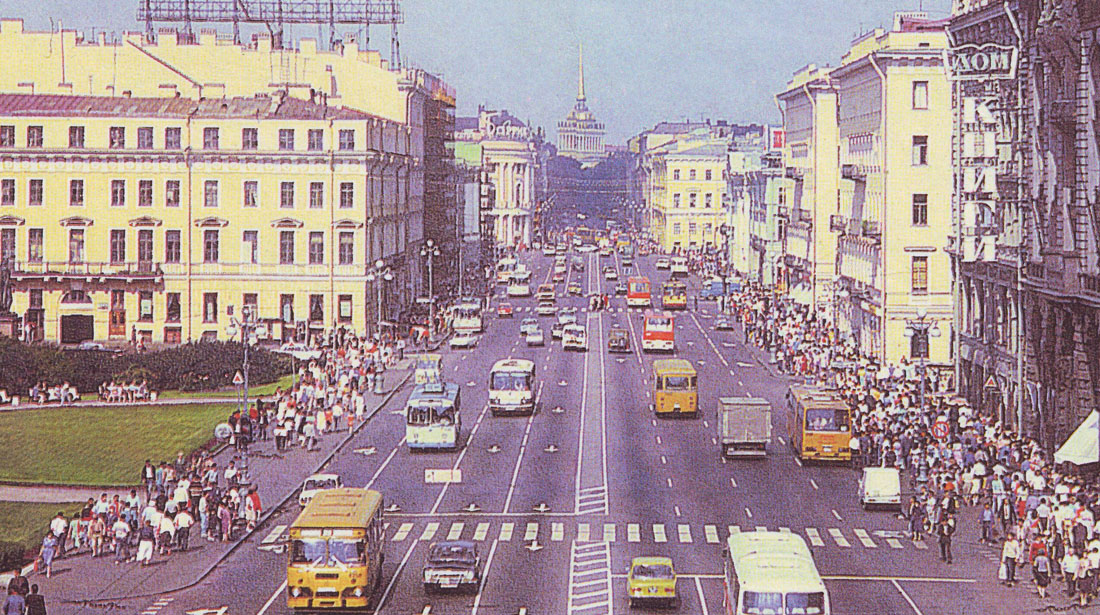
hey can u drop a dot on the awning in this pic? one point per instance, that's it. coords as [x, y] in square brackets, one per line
[1081, 447]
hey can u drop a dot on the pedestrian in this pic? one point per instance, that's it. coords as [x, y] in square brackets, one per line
[36, 602]
[1085, 580]
[945, 530]
[916, 519]
[146, 540]
[121, 532]
[986, 519]
[47, 552]
[1070, 563]
[59, 527]
[15, 604]
[1009, 553]
[183, 521]
[1040, 570]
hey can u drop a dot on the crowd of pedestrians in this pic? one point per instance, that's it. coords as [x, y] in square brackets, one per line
[1038, 516]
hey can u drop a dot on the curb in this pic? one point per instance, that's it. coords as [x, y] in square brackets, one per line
[271, 511]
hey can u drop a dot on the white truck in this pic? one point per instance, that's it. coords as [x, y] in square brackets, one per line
[744, 426]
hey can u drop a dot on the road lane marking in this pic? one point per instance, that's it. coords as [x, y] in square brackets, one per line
[461, 456]
[522, 450]
[734, 529]
[267, 605]
[481, 531]
[609, 532]
[396, 574]
[456, 530]
[659, 533]
[733, 482]
[894, 543]
[273, 535]
[429, 531]
[906, 596]
[785, 530]
[813, 483]
[385, 463]
[748, 512]
[702, 598]
[633, 532]
[506, 531]
[815, 537]
[402, 532]
[676, 509]
[557, 532]
[839, 538]
[583, 532]
[711, 532]
[532, 531]
[837, 515]
[861, 534]
[484, 578]
[663, 460]
[761, 528]
[669, 481]
[684, 532]
[920, 544]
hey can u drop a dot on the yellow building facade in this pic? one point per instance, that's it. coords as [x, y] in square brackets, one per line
[685, 192]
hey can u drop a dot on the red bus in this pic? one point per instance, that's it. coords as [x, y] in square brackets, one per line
[638, 293]
[658, 331]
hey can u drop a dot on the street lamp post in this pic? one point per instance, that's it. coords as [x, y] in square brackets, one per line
[725, 230]
[925, 329]
[378, 274]
[430, 251]
[250, 331]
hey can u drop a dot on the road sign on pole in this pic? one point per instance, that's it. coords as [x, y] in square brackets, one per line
[238, 378]
[940, 429]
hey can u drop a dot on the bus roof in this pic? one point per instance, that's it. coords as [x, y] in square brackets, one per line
[339, 508]
[673, 365]
[816, 396]
[434, 390]
[514, 365]
[638, 278]
[659, 314]
[778, 561]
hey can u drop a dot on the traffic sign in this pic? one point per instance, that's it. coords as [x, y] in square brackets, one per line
[238, 378]
[940, 429]
[991, 382]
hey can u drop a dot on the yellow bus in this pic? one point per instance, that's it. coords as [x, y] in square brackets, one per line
[822, 426]
[674, 295]
[335, 551]
[675, 388]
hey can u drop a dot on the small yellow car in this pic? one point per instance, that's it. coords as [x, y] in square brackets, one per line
[651, 580]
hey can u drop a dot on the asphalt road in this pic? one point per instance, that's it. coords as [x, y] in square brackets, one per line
[560, 502]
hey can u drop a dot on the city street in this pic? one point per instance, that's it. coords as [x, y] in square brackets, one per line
[560, 502]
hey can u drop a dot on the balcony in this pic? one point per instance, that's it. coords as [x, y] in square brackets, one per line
[854, 172]
[871, 229]
[837, 223]
[89, 271]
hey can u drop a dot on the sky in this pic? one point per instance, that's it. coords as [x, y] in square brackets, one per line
[645, 61]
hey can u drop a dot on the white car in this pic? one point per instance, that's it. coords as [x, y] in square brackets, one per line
[610, 274]
[548, 251]
[587, 248]
[662, 263]
[546, 308]
[318, 482]
[519, 289]
[535, 337]
[574, 337]
[464, 340]
[527, 325]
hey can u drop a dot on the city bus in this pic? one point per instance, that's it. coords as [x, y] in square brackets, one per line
[505, 268]
[675, 388]
[638, 292]
[335, 551]
[771, 572]
[674, 295]
[821, 428]
[658, 332]
[433, 418]
[512, 387]
[678, 267]
[467, 318]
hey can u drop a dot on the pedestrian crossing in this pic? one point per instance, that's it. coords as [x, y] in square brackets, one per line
[524, 309]
[563, 531]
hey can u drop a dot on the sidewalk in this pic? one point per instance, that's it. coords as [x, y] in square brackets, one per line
[81, 578]
[50, 494]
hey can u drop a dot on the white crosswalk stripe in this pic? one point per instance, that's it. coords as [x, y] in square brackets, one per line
[684, 532]
[815, 537]
[531, 533]
[894, 543]
[481, 531]
[839, 538]
[402, 532]
[861, 534]
[557, 532]
[456, 530]
[583, 532]
[633, 532]
[506, 531]
[590, 579]
[734, 529]
[711, 532]
[659, 533]
[429, 531]
[609, 532]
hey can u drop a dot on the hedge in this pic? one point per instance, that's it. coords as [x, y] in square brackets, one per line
[199, 366]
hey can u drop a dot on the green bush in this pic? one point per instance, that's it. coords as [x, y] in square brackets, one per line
[13, 555]
[200, 366]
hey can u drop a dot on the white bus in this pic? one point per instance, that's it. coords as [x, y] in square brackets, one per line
[432, 417]
[467, 318]
[505, 268]
[771, 573]
[679, 267]
[512, 387]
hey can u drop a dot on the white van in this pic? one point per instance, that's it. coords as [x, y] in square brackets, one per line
[880, 487]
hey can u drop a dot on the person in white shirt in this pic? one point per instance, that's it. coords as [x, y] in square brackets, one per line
[59, 527]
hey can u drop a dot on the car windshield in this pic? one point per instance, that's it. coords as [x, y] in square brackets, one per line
[307, 551]
[805, 603]
[511, 381]
[312, 484]
[827, 419]
[451, 554]
[762, 603]
[653, 571]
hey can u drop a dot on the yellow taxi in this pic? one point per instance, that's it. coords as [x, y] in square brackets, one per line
[651, 579]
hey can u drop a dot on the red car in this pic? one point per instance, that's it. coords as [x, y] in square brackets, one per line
[504, 310]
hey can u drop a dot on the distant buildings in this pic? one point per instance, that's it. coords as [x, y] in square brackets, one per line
[580, 136]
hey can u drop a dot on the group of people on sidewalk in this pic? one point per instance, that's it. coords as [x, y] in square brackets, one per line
[1040, 517]
[23, 598]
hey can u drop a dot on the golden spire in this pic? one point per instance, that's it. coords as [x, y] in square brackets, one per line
[580, 80]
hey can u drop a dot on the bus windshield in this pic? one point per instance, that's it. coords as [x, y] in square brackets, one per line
[658, 323]
[639, 287]
[762, 603]
[805, 603]
[307, 551]
[826, 419]
[430, 415]
[511, 381]
[346, 551]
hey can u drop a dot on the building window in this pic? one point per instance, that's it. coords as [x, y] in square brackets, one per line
[173, 138]
[918, 345]
[920, 150]
[7, 244]
[347, 248]
[76, 192]
[172, 193]
[709, 174]
[286, 307]
[676, 200]
[145, 193]
[692, 228]
[344, 308]
[7, 192]
[118, 192]
[116, 137]
[145, 137]
[920, 210]
[676, 174]
[173, 246]
[251, 193]
[250, 138]
[693, 199]
[210, 307]
[145, 246]
[920, 94]
[118, 246]
[286, 138]
[347, 195]
[676, 228]
[145, 305]
[347, 140]
[286, 247]
[251, 247]
[920, 274]
[286, 195]
[7, 136]
[316, 195]
[316, 139]
[708, 228]
[210, 137]
[710, 199]
[76, 136]
[210, 246]
[316, 248]
[691, 174]
[210, 193]
[76, 245]
[172, 307]
[317, 308]
[35, 192]
[34, 136]
[35, 239]
[251, 300]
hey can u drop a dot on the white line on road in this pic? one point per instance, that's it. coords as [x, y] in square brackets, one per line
[684, 532]
[461, 456]
[402, 532]
[659, 533]
[506, 531]
[733, 482]
[669, 481]
[481, 531]
[748, 512]
[484, 578]
[815, 537]
[429, 531]
[663, 460]
[385, 463]
[711, 532]
[583, 532]
[813, 483]
[839, 538]
[633, 532]
[906, 596]
[557, 532]
[456, 530]
[864, 538]
[837, 515]
[393, 581]
[522, 450]
[531, 532]
[271, 600]
[676, 509]
[702, 598]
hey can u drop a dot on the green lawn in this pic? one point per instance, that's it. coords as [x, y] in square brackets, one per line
[100, 446]
[25, 523]
[256, 391]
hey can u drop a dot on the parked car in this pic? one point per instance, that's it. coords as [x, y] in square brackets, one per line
[663, 263]
[575, 289]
